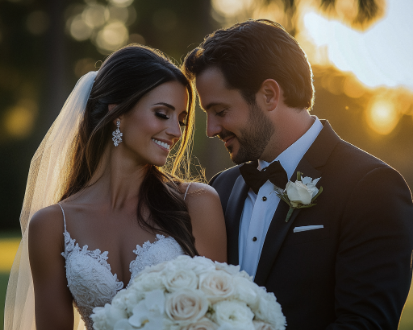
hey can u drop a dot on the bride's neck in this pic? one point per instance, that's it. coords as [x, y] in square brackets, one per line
[117, 179]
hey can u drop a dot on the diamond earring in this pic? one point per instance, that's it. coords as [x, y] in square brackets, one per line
[117, 135]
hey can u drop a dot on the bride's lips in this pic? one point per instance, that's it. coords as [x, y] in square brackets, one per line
[166, 144]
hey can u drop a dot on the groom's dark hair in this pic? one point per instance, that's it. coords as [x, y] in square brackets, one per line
[249, 53]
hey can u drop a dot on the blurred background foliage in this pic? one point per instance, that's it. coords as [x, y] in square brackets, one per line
[46, 45]
[360, 51]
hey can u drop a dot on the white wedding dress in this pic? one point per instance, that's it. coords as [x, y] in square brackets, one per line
[89, 275]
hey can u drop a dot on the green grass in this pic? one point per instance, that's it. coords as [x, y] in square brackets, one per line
[4, 278]
[11, 234]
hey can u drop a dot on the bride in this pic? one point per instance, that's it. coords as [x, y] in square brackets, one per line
[100, 205]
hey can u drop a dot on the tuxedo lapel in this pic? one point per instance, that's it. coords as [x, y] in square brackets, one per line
[233, 216]
[316, 156]
[279, 228]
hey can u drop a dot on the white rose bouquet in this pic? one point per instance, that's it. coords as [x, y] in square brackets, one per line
[191, 294]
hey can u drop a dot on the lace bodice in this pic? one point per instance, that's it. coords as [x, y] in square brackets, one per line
[89, 275]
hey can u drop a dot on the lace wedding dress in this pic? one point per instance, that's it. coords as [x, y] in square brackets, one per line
[89, 275]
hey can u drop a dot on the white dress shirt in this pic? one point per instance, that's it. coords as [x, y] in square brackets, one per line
[259, 208]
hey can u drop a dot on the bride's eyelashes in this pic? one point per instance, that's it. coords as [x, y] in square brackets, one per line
[164, 116]
[161, 115]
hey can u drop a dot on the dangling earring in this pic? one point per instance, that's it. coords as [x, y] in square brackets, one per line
[117, 135]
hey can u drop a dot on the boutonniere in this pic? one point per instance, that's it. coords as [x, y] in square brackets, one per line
[299, 194]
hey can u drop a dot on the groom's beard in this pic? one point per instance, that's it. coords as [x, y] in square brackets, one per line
[252, 139]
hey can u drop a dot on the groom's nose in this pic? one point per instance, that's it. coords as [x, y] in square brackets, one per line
[213, 128]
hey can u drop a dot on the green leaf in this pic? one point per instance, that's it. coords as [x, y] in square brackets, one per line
[318, 194]
[306, 206]
[299, 176]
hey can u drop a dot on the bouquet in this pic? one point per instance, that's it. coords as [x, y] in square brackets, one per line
[191, 294]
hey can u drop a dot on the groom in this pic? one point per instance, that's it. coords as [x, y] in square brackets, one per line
[344, 263]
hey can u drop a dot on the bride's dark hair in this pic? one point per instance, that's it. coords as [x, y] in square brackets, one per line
[123, 79]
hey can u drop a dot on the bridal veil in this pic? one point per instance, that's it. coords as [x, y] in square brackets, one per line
[48, 171]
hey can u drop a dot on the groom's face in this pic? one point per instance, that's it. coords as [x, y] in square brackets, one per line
[242, 127]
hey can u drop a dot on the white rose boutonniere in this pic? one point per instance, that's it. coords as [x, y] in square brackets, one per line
[300, 194]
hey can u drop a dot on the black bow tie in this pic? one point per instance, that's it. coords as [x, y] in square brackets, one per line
[255, 178]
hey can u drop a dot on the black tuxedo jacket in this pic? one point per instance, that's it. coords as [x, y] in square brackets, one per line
[354, 273]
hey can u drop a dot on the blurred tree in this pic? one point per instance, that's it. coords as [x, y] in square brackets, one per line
[40, 61]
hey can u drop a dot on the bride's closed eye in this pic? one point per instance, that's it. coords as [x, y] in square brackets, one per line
[163, 116]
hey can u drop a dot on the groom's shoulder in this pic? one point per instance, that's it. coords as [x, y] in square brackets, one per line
[358, 165]
[226, 177]
[355, 158]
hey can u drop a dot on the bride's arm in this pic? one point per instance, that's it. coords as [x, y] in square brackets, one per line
[53, 300]
[208, 224]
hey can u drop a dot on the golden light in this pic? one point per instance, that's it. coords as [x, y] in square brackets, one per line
[95, 15]
[231, 7]
[121, 3]
[382, 116]
[119, 14]
[352, 87]
[79, 29]
[19, 120]
[379, 56]
[136, 38]
[113, 36]
[37, 22]
[8, 249]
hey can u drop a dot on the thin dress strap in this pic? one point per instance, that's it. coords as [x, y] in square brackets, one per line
[186, 191]
[64, 218]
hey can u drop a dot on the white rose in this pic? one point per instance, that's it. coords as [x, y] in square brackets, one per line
[258, 325]
[217, 285]
[123, 325]
[147, 282]
[233, 314]
[158, 268]
[230, 269]
[149, 311]
[186, 306]
[299, 193]
[200, 265]
[269, 310]
[311, 184]
[202, 324]
[177, 279]
[127, 299]
[245, 290]
[105, 318]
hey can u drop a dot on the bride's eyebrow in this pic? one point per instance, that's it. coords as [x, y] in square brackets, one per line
[166, 105]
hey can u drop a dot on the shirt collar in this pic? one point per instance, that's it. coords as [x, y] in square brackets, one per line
[291, 156]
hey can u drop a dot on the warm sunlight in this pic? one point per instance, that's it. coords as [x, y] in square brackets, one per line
[380, 56]
[231, 7]
[19, 119]
[8, 249]
[382, 116]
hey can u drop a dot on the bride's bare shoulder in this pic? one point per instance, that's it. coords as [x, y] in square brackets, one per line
[47, 222]
[198, 190]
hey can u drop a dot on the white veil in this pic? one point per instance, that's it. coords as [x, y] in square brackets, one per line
[48, 172]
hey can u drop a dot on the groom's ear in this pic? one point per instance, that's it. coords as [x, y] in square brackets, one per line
[269, 94]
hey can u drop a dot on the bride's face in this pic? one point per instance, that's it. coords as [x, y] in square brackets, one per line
[154, 124]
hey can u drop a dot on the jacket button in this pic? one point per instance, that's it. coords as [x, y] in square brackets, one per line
[254, 239]
[264, 198]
